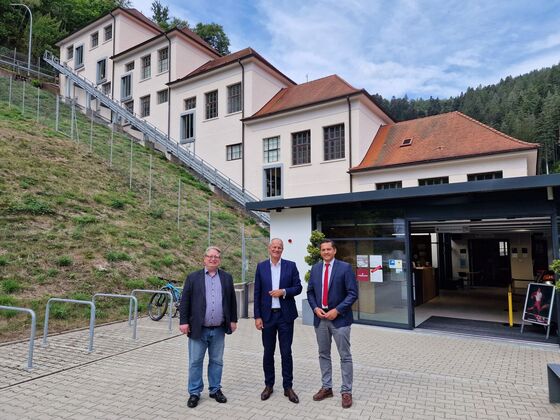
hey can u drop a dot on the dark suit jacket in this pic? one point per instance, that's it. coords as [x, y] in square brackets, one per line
[193, 302]
[289, 280]
[343, 292]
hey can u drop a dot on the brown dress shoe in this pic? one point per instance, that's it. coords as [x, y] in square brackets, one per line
[291, 395]
[322, 394]
[265, 395]
[346, 400]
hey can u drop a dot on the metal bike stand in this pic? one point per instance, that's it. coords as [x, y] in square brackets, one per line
[33, 327]
[153, 292]
[81, 302]
[129, 297]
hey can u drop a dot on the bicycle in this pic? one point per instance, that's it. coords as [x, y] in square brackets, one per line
[157, 307]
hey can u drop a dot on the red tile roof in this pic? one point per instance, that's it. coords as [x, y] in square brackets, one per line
[440, 137]
[306, 94]
[227, 60]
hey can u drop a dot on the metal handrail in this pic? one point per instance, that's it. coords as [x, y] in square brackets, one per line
[204, 169]
[32, 335]
[154, 292]
[131, 299]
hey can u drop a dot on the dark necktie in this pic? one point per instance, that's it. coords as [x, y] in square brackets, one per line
[326, 286]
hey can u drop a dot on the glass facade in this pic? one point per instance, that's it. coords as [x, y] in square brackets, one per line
[375, 244]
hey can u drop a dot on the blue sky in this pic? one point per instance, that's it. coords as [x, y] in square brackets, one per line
[419, 48]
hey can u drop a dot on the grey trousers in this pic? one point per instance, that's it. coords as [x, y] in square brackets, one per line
[325, 332]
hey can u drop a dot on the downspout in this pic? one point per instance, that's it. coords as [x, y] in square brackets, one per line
[113, 61]
[242, 126]
[168, 90]
[350, 139]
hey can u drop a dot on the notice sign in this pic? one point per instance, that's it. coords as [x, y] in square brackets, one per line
[362, 261]
[376, 268]
[362, 274]
[395, 264]
[538, 303]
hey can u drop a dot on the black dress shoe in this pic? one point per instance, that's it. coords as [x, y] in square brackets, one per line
[265, 395]
[219, 396]
[193, 401]
[291, 395]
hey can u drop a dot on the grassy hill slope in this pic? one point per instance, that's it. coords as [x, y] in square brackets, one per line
[70, 226]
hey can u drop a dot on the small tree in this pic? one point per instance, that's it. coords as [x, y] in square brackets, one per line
[313, 250]
[555, 266]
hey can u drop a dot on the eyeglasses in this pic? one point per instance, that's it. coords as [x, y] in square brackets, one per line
[213, 257]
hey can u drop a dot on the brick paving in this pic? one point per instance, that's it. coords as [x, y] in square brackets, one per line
[398, 375]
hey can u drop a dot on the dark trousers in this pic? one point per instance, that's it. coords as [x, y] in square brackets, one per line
[285, 331]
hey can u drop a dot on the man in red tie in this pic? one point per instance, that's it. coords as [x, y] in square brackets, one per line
[331, 292]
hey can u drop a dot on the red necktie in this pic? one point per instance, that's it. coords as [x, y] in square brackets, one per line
[326, 286]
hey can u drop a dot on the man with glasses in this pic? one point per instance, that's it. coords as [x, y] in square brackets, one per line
[208, 311]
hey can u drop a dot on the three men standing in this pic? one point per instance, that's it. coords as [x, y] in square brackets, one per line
[331, 292]
[276, 283]
[208, 311]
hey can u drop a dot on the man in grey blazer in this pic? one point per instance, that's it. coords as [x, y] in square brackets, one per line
[331, 292]
[208, 311]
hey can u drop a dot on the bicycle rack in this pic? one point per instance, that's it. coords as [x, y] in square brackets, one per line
[153, 292]
[82, 302]
[129, 297]
[33, 328]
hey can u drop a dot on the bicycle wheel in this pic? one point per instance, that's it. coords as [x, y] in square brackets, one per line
[157, 307]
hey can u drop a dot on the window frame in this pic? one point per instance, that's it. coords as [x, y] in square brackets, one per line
[129, 106]
[186, 103]
[105, 38]
[267, 151]
[99, 79]
[484, 176]
[145, 106]
[298, 152]
[433, 181]
[106, 88]
[330, 143]
[234, 151]
[165, 60]
[390, 185]
[186, 118]
[79, 63]
[129, 66]
[266, 188]
[94, 36]
[145, 70]
[127, 97]
[159, 95]
[234, 99]
[70, 52]
[211, 108]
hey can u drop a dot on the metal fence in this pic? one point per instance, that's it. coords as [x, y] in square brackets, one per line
[16, 62]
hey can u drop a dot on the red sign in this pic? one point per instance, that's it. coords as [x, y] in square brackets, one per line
[362, 274]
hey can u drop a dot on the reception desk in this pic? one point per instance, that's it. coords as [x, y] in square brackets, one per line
[425, 284]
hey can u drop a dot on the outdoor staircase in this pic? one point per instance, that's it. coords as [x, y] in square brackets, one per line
[186, 157]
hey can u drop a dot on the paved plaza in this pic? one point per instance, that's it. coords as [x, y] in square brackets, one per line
[397, 375]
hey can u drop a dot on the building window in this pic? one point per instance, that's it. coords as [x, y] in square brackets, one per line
[388, 185]
[108, 31]
[79, 57]
[301, 147]
[101, 70]
[106, 88]
[129, 106]
[129, 66]
[334, 142]
[504, 248]
[94, 39]
[273, 182]
[190, 103]
[162, 96]
[70, 52]
[234, 98]
[211, 104]
[485, 175]
[271, 148]
[233, 151]
[434, 181]
[126, 87]
[187, 128]
[146, 66]
[163, 60]
[145, 106]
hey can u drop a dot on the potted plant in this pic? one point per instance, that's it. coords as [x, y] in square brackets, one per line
[555, 266]
[313, 256]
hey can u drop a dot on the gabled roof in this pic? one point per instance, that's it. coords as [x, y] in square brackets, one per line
[136, 14]
[440, 137]
[227, 60]
[307, 94]
[187, 32]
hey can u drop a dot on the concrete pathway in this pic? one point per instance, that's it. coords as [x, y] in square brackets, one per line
[398, 375]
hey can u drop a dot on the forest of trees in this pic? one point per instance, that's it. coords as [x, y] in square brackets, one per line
[526, 107]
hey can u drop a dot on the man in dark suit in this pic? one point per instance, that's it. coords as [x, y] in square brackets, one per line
[208, 311]
[331, 292]
[276, 283]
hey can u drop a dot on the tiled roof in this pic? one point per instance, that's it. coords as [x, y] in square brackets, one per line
[227, 60]
[316, 91]
[441, 137]
[140, 16]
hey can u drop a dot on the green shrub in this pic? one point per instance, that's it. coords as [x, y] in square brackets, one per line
[25, 182]
[52, 272]
[115, 256]
[117, 203]
[80, 296]
[59, 311]
[155, 282]
[32, 206]
[64, 261]
[156, 213]
[168, 260]
[224, 216]
[164, 244]
[8, 301]
[3, 260]
[11, 286]
[135, 284]
[85, 219]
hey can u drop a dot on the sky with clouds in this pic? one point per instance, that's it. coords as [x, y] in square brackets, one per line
[418, 48]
